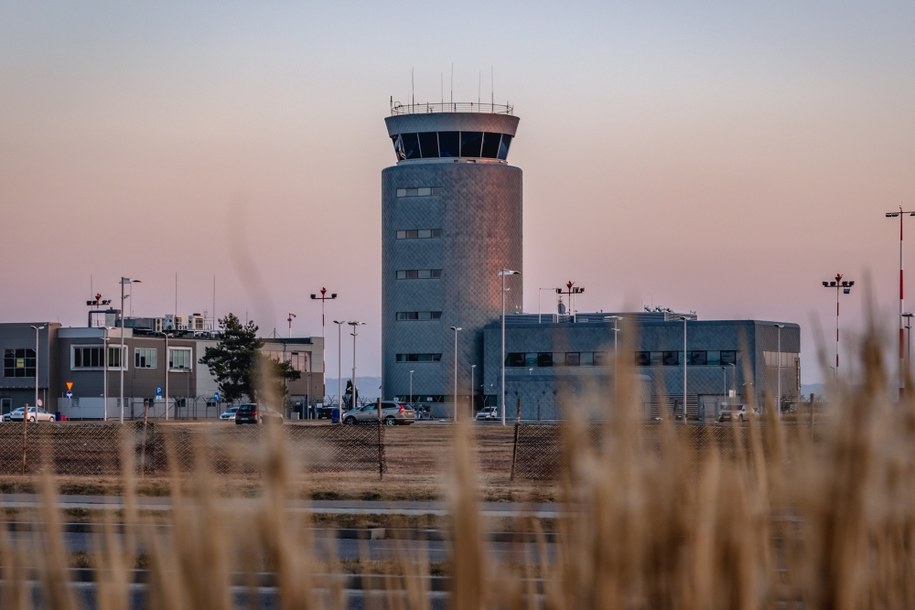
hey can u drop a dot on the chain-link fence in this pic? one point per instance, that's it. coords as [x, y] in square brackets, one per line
[527, 451]
[99, 449]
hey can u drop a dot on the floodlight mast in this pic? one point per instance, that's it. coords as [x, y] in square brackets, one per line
[845, 286]
[902, 357]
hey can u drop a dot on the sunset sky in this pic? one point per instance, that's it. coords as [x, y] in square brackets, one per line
[718, 157]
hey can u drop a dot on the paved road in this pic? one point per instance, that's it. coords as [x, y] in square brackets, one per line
[334, 507]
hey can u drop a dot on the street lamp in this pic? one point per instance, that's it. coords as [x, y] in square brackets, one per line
[908, 348]
[339, 324]
[37, 328]
[121, 360]
[289, 319]
[105, 379]
[167, 366]
[354, 324]
[778, 384]
[685, 358]
[900, 214]
[456, 330]
[323, 298]
[616, 332]
[411, 387]
[502, 273]
[845, 286]
[472, 393]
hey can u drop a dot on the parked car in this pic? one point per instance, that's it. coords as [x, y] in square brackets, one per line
[9, 416]
[392, 412]
[251, 413]
[737, 412]
[228, 414]
[35, 414]
[487, 414]
[422, 411]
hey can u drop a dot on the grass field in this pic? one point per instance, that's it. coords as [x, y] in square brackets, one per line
[776, 517]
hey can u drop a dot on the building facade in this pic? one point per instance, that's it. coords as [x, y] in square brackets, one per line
[451, 218]
[80, 371]
[557, 365]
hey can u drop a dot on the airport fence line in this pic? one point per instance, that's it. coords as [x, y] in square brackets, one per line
[528, 451]
[98, 449]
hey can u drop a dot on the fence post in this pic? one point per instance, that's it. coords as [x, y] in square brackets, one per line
[515, 449]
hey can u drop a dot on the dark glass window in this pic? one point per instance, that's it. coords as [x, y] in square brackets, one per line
[428, 142]
[449, 144]
[514, 359]
[601, 358]
[503, 147]
[670, 358]
[19, 363]
[698, 358]
[491, 145]
[471, 142]
[545, 359]
[643, 358]
[410, 145]
[573, 359]
[728, 357]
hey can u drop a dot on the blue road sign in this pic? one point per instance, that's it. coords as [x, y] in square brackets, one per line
[216, 396]
[158, 391]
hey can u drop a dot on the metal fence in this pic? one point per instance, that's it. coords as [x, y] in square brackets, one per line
[526, 452]
[100, 449]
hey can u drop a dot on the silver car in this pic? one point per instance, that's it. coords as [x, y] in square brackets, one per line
[228, 414]
[392, 412]
[35, 414]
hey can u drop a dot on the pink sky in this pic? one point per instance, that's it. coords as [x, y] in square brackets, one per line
[711, 158]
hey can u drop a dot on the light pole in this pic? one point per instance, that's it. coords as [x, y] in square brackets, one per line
[456, 330]
[323, 298]
[37, 404]
[289, 319]
[778, 384]
[845, 286]
[685, 358]
[354, 324]
[411, 386]
[105, 373]
[616, 332]
[502, 273]
[167, 366]
[908, 347]
[472, 368]
[900, 214]
[339, 324]
[122, 362]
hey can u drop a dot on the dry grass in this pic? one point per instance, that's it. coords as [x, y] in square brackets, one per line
[775, 518]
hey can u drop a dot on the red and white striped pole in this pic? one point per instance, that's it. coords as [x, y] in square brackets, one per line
[902, 356]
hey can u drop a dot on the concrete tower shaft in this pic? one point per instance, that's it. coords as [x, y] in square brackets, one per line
[451, 219]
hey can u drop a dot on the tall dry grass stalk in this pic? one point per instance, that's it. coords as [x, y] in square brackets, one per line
[765, 515]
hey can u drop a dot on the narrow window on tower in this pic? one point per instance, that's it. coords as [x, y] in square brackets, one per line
[428, 144]
[491, 145]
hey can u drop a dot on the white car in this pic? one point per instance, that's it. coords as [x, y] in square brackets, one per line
[228, 414]
[9, 416]
[35, 414]
[487, 414]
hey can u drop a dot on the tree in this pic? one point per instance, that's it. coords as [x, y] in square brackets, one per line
[236, 363]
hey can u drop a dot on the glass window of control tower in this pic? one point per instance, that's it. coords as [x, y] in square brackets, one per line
[428, 143]
[449, 144]
[471, 143]
[491, 144]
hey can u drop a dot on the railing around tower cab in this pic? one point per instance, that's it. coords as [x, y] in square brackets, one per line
[428, 108]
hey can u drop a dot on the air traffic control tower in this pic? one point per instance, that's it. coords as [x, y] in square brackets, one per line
[450, 221]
